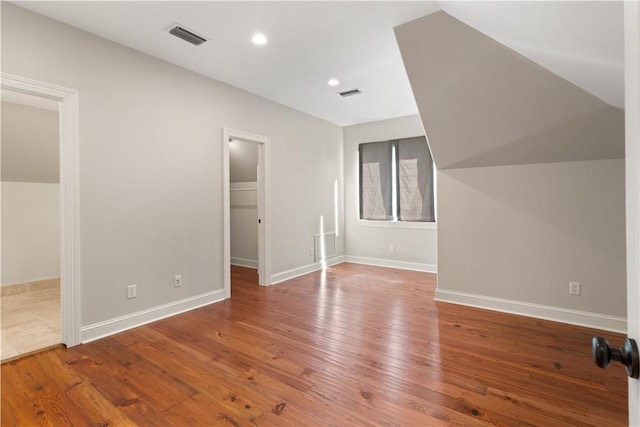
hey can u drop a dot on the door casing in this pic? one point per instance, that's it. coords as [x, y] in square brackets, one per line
[264, 197]
[632, 184]
[69, 196]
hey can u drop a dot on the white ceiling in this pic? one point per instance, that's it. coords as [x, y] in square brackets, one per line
[582, 42]
[311, 42]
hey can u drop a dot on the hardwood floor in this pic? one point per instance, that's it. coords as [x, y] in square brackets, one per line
[353, 345]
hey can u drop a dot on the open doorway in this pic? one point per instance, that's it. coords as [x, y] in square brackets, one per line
[243, 212]
[30, 221]
[243, 203]
[41, 93]
[246, 230]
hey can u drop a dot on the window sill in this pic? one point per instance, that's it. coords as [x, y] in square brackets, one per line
[398, 224]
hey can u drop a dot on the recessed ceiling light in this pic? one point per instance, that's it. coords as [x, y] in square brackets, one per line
[259, 39]
[333, 82]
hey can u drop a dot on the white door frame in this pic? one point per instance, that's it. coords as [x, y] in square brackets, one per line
[69, 196]
[632, 184]
[264, 227]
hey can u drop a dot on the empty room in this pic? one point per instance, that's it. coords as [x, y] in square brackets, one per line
[320, 213]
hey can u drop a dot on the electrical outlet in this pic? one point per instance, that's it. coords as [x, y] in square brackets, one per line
[131, 291]
[177, 281]
[574, 288]
[310, 251]
[392, 248]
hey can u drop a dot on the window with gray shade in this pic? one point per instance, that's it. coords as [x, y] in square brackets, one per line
[376, 181]
[397, 181]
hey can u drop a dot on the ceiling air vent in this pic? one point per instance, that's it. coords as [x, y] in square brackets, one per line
[187, 35]
[349, 93]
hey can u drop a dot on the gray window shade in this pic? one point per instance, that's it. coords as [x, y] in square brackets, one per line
[414, 167]
[375, 181]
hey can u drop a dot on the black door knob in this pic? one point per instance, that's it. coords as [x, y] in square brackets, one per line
[603, 355]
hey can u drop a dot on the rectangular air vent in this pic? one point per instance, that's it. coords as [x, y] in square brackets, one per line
[324, 245]
[187, 35]
[349, 93]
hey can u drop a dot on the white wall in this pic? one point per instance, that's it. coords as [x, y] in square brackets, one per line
[30, 231]
[482, 104]
[29, 144]
[243, 207]
[151, 165]
[243, 161]
[522, 233]
[30, 198]
[414, 248]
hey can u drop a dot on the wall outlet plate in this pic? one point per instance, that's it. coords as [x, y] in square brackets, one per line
[574, 288]
[131, 291]
[177, 280]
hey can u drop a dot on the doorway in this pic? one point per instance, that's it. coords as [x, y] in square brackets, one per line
[30, 221]
[247, 195]
[67, 194]
[243, 203]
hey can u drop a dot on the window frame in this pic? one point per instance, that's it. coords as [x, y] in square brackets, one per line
[394, 223]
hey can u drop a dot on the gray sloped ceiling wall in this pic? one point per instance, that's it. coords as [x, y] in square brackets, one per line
[530, 181]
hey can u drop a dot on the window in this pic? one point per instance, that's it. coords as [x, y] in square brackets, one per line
[396, 181]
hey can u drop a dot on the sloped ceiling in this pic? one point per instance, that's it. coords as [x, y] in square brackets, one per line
[581, 41]
[483, 104]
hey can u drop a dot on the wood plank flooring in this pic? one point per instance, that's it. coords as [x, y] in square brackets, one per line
[351, 346]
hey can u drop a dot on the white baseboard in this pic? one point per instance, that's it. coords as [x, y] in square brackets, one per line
[546, 312]
[305, 269]
[392, 263]
[243, 262]
[133, 320]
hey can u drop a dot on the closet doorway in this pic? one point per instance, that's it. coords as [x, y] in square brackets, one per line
[246, 204]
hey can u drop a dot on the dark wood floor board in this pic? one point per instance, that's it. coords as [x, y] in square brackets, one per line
[114, 389]
[90, 403]
[352, 345]
[406, 376]
[49, 403]
[153, 384]
[203, 378]
[387, 402]
[259, 390]
[544, 412]
[203, 410]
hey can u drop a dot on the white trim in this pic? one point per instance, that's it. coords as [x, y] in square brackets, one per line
[632, 185]
[133, 320]
[243, 262]
[305, 269]
[398, 224]
[546, 312]
[264, 243]
[69, 196]
[226, 217]
[392, 263]
[243, 189]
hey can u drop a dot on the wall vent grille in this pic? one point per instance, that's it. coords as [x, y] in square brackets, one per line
[350, 93]
[325, 245]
